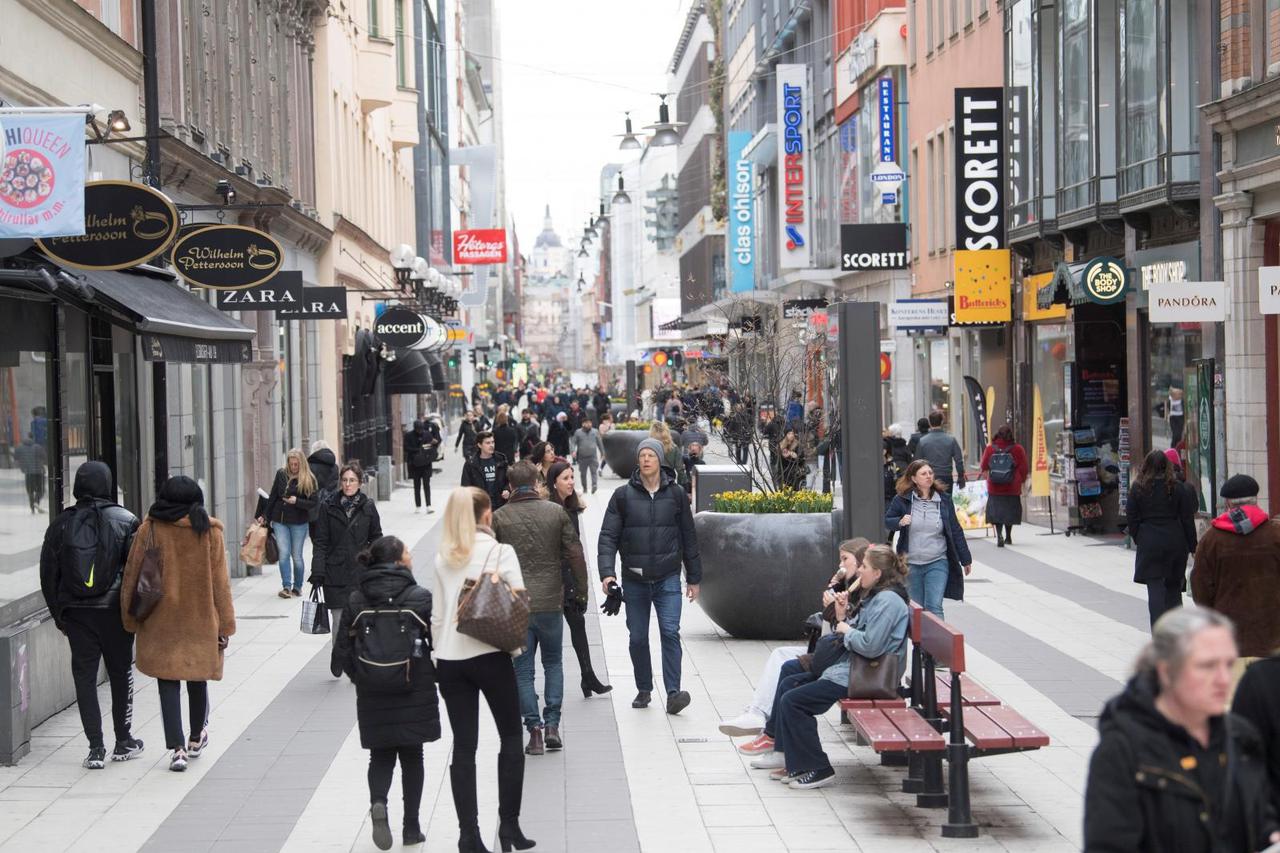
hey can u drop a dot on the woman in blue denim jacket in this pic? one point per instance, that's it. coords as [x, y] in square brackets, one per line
[878, 627]
[931, 538]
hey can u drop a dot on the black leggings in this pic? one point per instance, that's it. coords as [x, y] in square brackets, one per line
[171, 710]
[382, 762]
[577, 622]
[461, 682]
[1162, 596]
[1005, 532]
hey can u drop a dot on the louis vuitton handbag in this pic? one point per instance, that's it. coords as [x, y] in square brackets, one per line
[490, 611]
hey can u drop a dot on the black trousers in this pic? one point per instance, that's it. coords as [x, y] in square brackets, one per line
[421, 485]
[35, 489]
[171, 710]
[461, 682]
[1162, 596]
[577, 622]
[97, 635]
[382, 761]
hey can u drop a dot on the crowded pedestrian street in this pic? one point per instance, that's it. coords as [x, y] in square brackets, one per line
[1053, 625]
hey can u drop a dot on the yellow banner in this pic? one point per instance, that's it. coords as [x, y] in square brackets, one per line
[1030, 310]
[983, 287]
[1039, 450]
[992, 426]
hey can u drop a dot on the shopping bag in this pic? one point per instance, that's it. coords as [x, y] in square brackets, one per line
[272, 549]
[253, 549]
[315, 616]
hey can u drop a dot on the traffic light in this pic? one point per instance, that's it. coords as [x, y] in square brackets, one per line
[677, 359]
[453, 359]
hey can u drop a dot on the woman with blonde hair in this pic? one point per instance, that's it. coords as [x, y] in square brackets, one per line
[670, 451]
[467, 667]
[293, 497]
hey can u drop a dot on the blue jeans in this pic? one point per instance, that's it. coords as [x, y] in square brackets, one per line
[927, 583]
[291, 538]
[545, 630]
[796, 728]
[664, 597]
[791, 676]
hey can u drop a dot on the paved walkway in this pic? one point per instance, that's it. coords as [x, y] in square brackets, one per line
[1053, 624]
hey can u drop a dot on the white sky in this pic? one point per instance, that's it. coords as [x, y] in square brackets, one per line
[560, 130]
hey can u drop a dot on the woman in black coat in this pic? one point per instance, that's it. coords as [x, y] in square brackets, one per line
[506, 435]
[421, 449]
[348, 524]
[392, 725]
[1162, 514]
[1172, 772]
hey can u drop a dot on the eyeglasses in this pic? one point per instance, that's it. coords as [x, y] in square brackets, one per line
[350, 480]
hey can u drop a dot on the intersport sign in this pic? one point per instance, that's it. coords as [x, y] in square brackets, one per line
[480, 246]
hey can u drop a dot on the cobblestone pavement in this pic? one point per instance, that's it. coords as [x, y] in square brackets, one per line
[1053, 625]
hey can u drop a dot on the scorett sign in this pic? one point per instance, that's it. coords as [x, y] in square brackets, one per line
[227, 257]
[282, 290]
[873, 247]
[125, 224]
[980, 168]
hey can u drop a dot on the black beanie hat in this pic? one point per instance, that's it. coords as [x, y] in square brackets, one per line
[1238, 487]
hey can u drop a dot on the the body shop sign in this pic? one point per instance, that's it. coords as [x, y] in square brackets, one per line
[794, 199]
[480, 246]
[741, 237]
[980, 165]
[41, 175]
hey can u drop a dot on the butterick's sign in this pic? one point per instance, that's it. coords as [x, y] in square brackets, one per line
[480, 246]
[980, 165]
[795, 131]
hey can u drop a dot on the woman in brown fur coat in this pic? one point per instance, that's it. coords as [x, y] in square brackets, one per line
[183, 638]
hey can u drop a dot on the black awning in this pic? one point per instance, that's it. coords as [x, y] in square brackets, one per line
[162, 308]
[680, 324]
[408, 374]
[195, 351]
[1066, 278]
[437, 371]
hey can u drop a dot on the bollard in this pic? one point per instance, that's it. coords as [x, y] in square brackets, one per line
[386, 469]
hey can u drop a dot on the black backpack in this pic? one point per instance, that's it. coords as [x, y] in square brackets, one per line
[389, 643]
[1002, 467]
[88, 567]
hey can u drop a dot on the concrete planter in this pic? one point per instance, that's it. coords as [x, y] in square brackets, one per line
[762, 574]
[620, 449]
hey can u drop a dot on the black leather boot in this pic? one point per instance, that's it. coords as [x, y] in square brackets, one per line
[591, 684]
[462, 778]
[510, 796]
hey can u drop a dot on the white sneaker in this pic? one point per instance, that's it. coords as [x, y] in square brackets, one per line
[768, 761]
[748, 723]
[178, 763]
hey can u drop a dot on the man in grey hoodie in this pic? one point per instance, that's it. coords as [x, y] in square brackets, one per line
[940, 449]
[587, 448]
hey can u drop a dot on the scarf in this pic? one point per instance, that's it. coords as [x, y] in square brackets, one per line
[350, 504]
[165, 510]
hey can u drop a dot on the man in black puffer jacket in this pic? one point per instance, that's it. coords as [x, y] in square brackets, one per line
[86, 606]
[650, 522]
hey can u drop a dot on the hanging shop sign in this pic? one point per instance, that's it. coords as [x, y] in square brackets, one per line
[917, 315]
[801, 309]
[741, 235]
[227, 257]
[1188, 302]
[980, 168]
[282, 290]
[795, 127]
[874, 247]
[983, 288]
[480, 246]
[42, 175]
[435, 337]
[125, 224]
[1269, 290]
[400, 328]
[887, 175]
[1105, 281]
[318, 303]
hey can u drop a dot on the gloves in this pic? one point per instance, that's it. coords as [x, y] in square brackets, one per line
[613, 601]
[316, 580]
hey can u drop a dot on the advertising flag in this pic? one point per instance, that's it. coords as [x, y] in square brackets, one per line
[1039, 450]
[42, 175]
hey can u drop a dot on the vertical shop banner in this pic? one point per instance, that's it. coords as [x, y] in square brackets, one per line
[1039, 449]
[980, 168]
[42, 175]
[887, 175]
[978, 408]
[795, 132]
[1206, 484]
[741, 240]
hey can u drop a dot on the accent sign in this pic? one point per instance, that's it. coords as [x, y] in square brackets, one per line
[795, 129]
[125, 224]
[282, 290]
[480, 246]
[980, 168]
[400, 328]
[227, 257]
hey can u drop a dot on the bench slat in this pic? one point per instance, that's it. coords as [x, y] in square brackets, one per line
[982, 731]
[972, 692]
[1025, 734]
[852, 704]
[944, 642]
[922, 736]
[879, 730]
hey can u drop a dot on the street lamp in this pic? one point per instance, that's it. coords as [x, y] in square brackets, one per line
[401, 258]
[621, 197]
[664, 132]
[629, 141]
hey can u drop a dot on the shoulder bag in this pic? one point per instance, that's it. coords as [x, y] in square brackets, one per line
[150, 587]
[490, 611]
[873, 678]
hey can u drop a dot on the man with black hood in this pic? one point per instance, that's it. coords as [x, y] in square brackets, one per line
[81, 565]
[324, 467]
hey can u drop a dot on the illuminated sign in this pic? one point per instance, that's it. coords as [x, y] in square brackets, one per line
[980, 167]
[794, 110]
[741, 232]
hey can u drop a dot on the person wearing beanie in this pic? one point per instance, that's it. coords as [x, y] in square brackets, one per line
[1237, 569]
[649, 524]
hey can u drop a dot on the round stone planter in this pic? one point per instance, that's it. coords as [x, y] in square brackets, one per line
[620, 450]
[762, 574]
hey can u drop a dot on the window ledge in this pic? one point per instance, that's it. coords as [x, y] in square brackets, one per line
[381, 38]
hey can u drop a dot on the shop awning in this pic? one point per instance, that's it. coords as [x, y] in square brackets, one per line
[1065, 276]
[436, 366]
[408, 374]
[175, 324]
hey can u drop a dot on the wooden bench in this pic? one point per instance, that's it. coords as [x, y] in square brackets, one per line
[973, 720]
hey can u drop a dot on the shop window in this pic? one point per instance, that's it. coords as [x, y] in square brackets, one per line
[1174, 350]
[1140, 62]
[1020, 41]
[374, 29]
[1075, 92]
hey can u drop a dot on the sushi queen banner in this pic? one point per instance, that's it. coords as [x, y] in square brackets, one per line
[41, 174]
